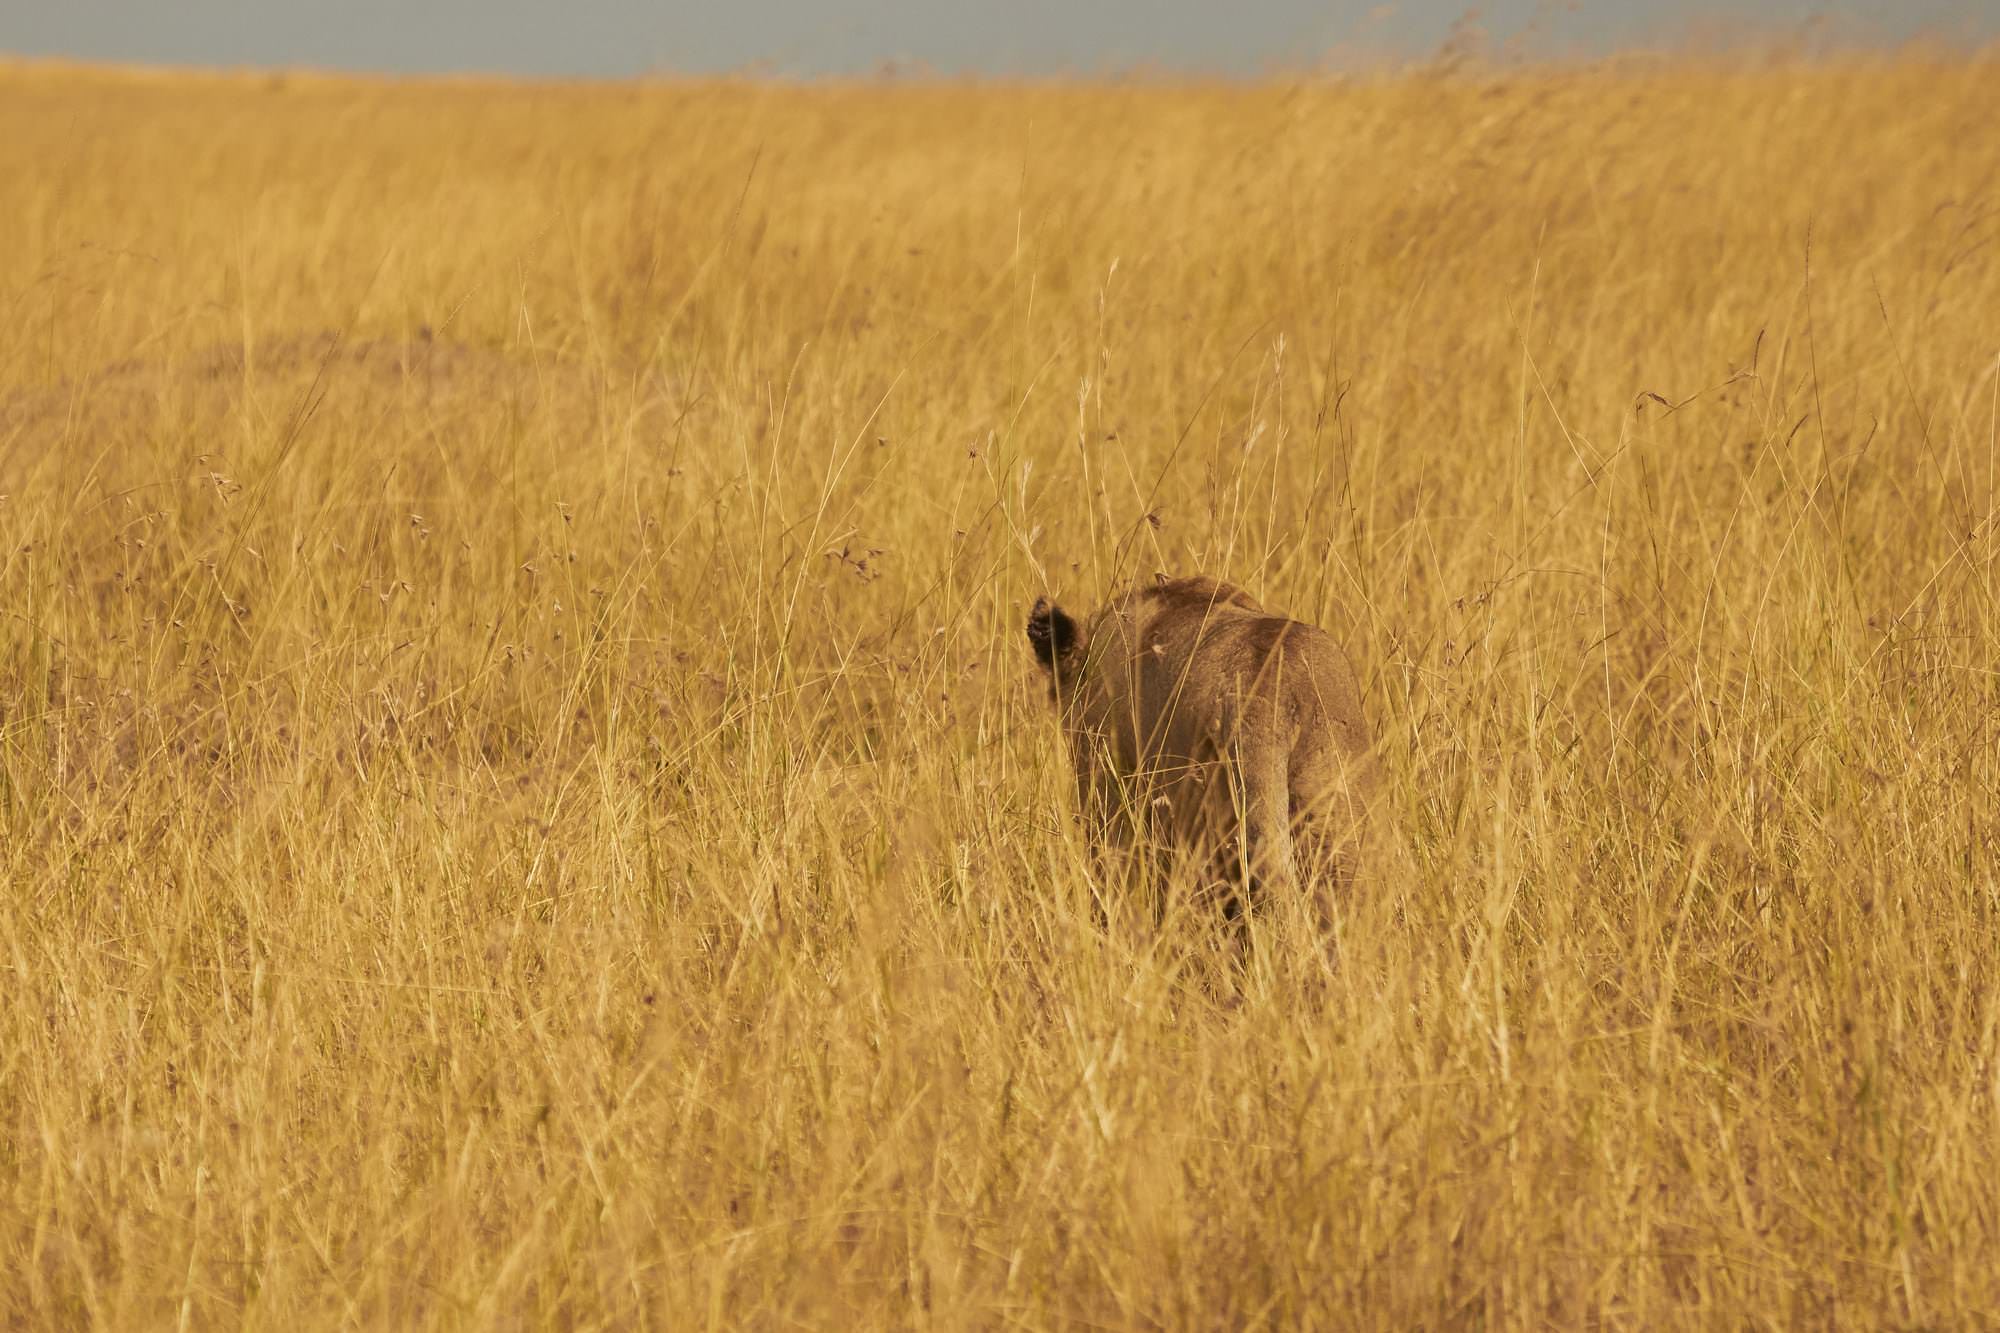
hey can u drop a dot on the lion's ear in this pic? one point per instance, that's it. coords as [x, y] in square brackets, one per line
[1051, 631]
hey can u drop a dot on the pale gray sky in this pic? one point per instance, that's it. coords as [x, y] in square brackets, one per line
[808, 37]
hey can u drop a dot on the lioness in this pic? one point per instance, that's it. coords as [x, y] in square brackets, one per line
[1198, 718]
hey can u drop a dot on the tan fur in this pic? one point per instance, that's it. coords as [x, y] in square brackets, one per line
[1215, 728]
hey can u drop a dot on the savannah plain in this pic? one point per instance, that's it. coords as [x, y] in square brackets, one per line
[524, 798]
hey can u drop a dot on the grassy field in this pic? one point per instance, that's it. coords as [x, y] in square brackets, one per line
[524, 798]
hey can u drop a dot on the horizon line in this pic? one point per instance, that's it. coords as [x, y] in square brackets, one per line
[1765, 47]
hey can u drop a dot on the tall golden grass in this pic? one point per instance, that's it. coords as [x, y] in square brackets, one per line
[526, 800]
